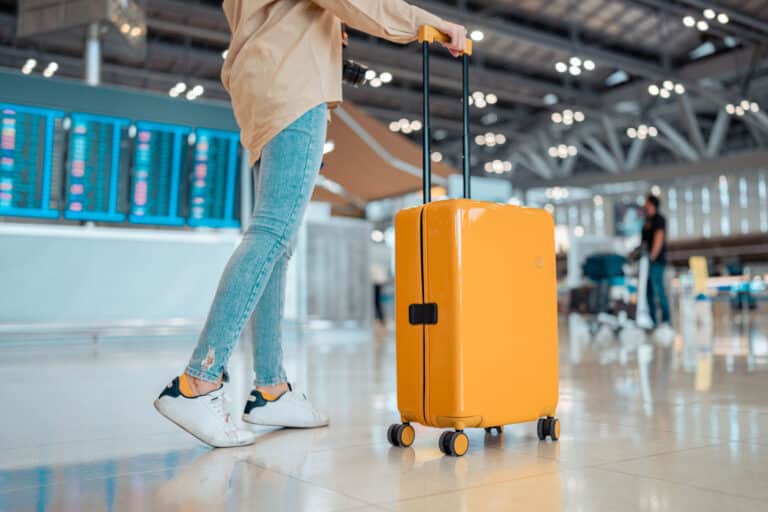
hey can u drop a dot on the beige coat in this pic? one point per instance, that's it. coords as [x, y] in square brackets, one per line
[285, 55]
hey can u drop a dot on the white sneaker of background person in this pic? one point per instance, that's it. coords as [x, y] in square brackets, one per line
[664, 335]
[207, 417]
[291, 409]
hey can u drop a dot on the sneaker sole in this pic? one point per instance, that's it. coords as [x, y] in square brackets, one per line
[182, 427]
[302, 427]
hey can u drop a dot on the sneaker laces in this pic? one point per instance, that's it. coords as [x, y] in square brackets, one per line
[220, 405]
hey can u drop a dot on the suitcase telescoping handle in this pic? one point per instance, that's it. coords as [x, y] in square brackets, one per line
[427, 35]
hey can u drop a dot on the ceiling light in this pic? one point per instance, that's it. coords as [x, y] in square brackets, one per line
[574, 71]
[572, 151]
[653, 90]
[477, 35]
[436, 156]
[679, 88]
[561, 67]
[50, 70]
[702, 25]
[394, 126]
[575, 61]
[328, 146]
[754, 107]
[652, 131]
[173, 92]
[376, 82]
[553, 152]
[568, 121]
[730, 109]
[31, 63]
[198, 90]
[567, 113]
[500, 138]
[404, 123]
[488, 167]
[377, 236]
[478, 95]
[406, 129]
[557, 117]
[579, 117]
[481, 104]
[370, 74]
[740, 111]
[631, 133]
[191, 96]
[709, 14]
[125, 28]
[180, 86]
[507, 166]
[386, 77]
[664, 93]
[492, 99]
[669, 85]
[416, 125]
[689, 21]
[135, 31]
[723, 18]
[745, 104]
[480, 140]
[589, 65]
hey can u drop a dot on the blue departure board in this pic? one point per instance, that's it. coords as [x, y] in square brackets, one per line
[94, 171]
[28, 155]
[214, 186]
[158, 186]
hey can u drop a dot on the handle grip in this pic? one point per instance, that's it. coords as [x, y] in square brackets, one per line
[429, 34]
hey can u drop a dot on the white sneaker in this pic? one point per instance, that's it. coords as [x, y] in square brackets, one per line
[664, 335]
[291, 409]
[206, 417]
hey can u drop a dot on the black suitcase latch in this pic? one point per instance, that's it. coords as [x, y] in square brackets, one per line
[422, 314]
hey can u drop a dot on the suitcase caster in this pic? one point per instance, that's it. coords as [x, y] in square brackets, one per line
[490, 430]
[548, 427]
[401, 435]
[454, 444]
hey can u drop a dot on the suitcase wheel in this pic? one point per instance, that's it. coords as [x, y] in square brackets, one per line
[490, 430]
[454, 444]
[401, 435]
[548, 427]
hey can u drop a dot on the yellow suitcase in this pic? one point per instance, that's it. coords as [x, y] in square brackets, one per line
[476, 311]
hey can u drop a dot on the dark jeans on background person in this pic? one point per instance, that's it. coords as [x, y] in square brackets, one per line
[657, 295]
[379, 308]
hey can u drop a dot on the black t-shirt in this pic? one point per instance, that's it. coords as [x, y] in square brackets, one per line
[651, 226]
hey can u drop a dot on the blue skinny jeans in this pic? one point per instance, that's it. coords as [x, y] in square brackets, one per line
[253, 282]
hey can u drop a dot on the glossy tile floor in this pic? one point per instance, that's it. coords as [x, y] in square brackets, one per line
[644, 427]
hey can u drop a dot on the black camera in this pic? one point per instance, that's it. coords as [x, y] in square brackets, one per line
[353, 73]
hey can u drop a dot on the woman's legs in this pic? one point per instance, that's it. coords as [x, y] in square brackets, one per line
[287, 174]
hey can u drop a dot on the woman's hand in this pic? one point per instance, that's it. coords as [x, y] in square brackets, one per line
[457, 35]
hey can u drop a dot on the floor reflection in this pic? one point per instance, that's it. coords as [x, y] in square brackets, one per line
[646, 424]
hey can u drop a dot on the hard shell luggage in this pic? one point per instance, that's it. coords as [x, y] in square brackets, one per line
[476, 302]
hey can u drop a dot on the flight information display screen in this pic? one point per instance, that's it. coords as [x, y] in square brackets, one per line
[214, 186]
[95, 171]
[30, 161]
[159, 185]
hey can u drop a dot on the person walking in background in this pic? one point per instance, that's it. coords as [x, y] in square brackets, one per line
[283, 72]
[655, 242]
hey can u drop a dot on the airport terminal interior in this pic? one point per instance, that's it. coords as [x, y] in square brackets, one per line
[631, 133]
